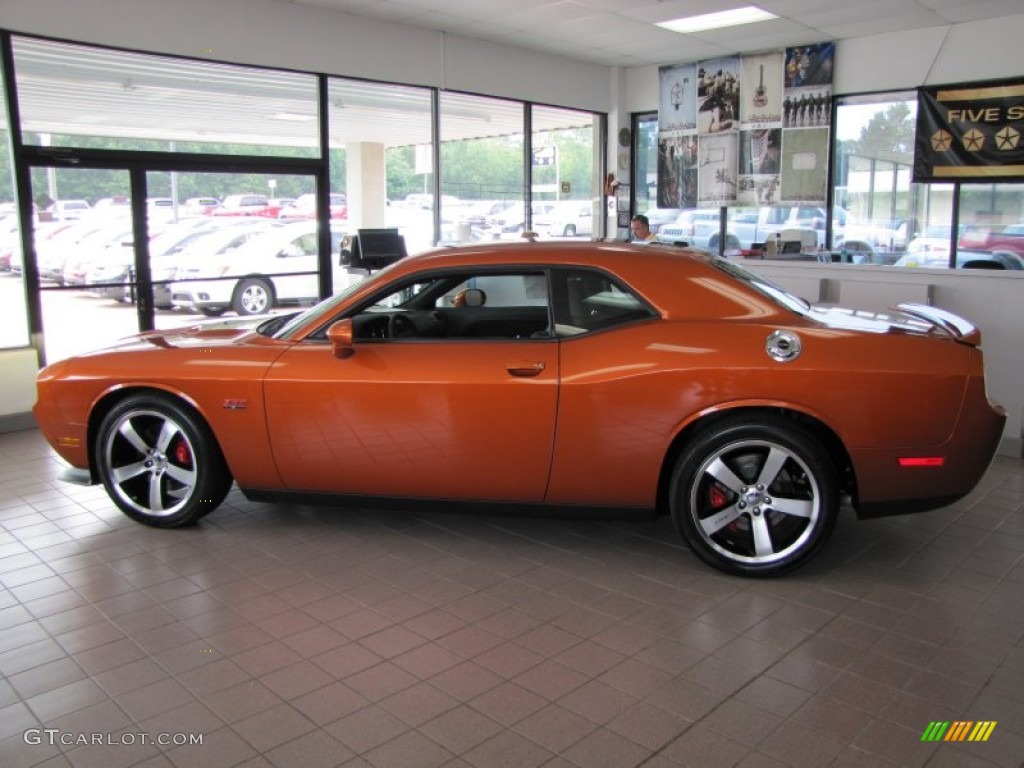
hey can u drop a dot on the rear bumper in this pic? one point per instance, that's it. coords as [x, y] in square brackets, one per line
[885, 487]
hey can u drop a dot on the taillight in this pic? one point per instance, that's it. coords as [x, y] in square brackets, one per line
[922, 461]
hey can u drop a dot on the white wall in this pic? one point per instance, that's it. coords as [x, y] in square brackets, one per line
[989, 299]
[18, 368]
[280, 34]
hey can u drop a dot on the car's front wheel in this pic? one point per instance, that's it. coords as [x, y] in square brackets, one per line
[159, 462]
[569, 231]
[252, 297]
[755, 498]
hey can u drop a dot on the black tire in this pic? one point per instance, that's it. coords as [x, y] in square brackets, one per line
[252, 297]
[159, 462]
[755, 498]
[212, 311]
[570, 230]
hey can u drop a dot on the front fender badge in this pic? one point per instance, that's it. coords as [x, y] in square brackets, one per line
[783, 346]
[236, 404]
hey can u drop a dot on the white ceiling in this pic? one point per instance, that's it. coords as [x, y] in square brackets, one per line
[621, 33]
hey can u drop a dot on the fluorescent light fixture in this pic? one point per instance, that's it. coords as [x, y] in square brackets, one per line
[745, 15]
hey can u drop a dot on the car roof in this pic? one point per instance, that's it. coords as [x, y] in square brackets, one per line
[666, 276]
[629, 260]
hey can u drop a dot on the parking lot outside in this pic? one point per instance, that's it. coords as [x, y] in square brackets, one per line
[77, 320]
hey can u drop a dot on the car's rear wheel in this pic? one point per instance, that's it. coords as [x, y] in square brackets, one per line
[213, 311]
[252, 297]
[159, 462]
[755, 498]
[570, 230]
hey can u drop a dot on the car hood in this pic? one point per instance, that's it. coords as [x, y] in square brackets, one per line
[204, 333]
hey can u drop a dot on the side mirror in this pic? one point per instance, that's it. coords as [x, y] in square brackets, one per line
[469, 297]
[341, 336]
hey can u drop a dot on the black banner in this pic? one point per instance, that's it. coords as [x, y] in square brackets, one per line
[970, 133]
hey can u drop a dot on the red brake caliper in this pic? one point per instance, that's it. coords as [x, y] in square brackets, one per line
[182, 454]
[717, 497]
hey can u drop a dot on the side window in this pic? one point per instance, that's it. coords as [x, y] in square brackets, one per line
[235, 242]
[483, 306]
[501, 291]
[304, 245]
[587, 300]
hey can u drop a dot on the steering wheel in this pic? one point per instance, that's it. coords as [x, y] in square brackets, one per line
[400, 326]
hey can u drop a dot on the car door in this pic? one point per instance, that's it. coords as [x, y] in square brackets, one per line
[615, 412]
[430, 416]
[299, 255]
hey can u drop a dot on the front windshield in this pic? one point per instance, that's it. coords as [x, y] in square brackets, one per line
[772, 290]
[324, 308]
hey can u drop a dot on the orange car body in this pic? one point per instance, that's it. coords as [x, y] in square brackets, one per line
[591, 419]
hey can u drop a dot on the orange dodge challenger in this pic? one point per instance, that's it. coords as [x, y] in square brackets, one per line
[593, 375]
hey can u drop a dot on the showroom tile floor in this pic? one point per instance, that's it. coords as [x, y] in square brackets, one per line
[308, 637]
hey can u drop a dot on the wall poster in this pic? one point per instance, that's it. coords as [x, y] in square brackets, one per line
[677, 170]
[677, 137]
[760, 139]
[749, 130]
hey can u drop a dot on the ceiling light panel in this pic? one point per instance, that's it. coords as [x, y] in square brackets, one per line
[735, 17]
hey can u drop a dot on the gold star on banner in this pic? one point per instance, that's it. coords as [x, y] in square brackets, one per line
[941, 141]
[973, 140]
[1007, 138]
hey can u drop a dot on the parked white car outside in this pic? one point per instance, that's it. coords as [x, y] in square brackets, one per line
[279, 266]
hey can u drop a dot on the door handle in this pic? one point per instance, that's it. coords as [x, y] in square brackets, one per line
[525, 369]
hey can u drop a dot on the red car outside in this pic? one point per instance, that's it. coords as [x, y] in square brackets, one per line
[244, 205]
[304, 207]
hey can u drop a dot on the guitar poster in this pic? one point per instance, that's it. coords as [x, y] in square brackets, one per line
[761, 106]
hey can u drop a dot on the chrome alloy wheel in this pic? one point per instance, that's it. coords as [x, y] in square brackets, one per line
[150, 461]
[755, 502]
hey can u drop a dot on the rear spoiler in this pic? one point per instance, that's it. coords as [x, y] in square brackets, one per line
[952, 325]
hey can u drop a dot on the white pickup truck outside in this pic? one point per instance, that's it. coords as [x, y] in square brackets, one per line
[700, 227]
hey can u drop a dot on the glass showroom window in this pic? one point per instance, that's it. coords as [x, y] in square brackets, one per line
[81, 96]
[878, 211]
[991, 226]
[483, 181]
[13, 319]
[380, 153]
[645, 172]
[894, 221]
[698, 227]
[566, 202]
